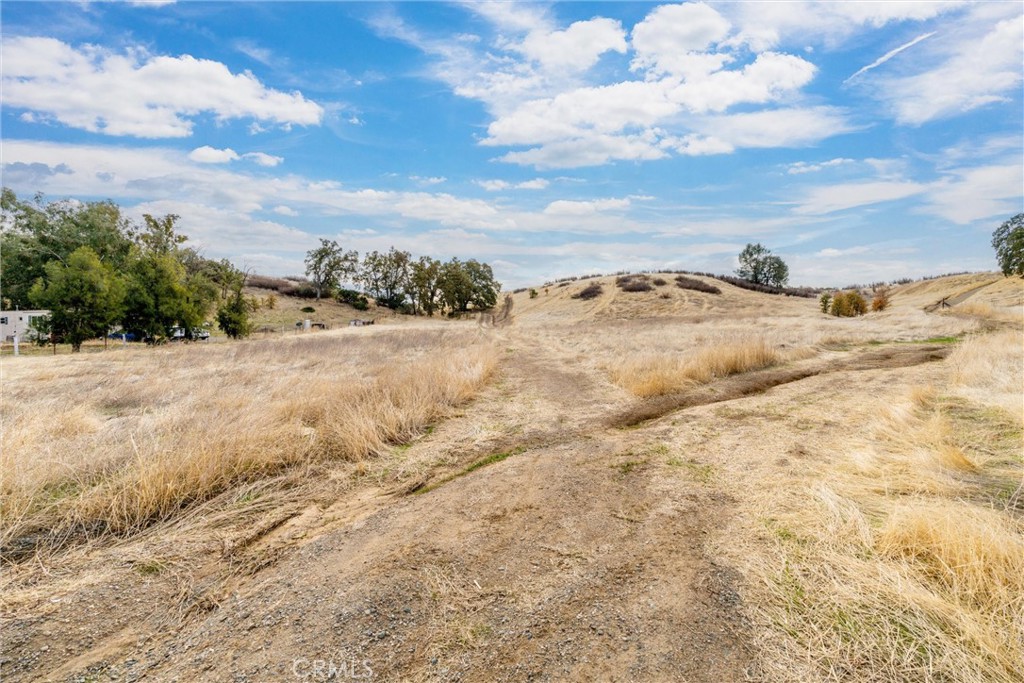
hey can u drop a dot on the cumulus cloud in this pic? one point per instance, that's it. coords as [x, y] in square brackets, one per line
[137, 94]
[211, 155]
[673, 39]
[578, 47]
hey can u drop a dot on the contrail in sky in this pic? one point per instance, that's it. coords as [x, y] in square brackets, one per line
[890, 54]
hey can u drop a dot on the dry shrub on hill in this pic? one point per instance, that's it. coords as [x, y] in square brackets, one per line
[684, 282]
[591, 291]
[634, 283]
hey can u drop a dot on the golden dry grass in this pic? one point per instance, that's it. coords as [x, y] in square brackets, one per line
[113, 442]
[902, 558]
[657, 374]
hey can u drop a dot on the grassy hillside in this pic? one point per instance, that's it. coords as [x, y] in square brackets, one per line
[640, 485]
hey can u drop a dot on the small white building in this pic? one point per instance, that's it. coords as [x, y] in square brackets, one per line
[17, 323]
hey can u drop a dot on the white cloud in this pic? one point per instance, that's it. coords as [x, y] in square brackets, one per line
[833, 198]
[155, 174]
[499, 185]
[578, 47]
[802, 167]
[770, 77]
[970, 194]
[672, 37]
[565, 207]
[889, 55]
[493, 185]
[594, 150]
[266, 160]
[830, 252]
[211, 155]
[977, 73]
[793, 127]
[283, 210]
[223, 230]
[426, 182]
[137, 94]
[603, 109]
[765, 25]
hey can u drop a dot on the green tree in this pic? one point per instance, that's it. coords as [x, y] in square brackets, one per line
[234, 312]
[456, 287]
[1008, 241]
[328, 264]
[169, 285]
[760, 266]
[84, 296]
[37, 232]
[159, 236]
[385, 277]
[157, 298]
[485, 287]
[425, 284]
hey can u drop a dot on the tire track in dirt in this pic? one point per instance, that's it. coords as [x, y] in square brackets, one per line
[758, 382]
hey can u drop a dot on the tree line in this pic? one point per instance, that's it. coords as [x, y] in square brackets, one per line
[96, 270]
[396, 280]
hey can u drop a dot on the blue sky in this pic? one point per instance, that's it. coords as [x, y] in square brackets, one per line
[859, 141]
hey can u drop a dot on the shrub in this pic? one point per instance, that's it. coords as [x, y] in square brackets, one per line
[302, 290]
[356, 300]
[683, 282]
[634, 283]
[270, 302]
[308, 309]
[589, 292]
[265, 282]
[533, 293]
[849, 304]
[659, 282]
[825, 301]
[880, 301]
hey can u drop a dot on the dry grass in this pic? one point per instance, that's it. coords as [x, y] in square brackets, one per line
[989, 369]
[902, 558]
[655, 375]
[116, 441]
